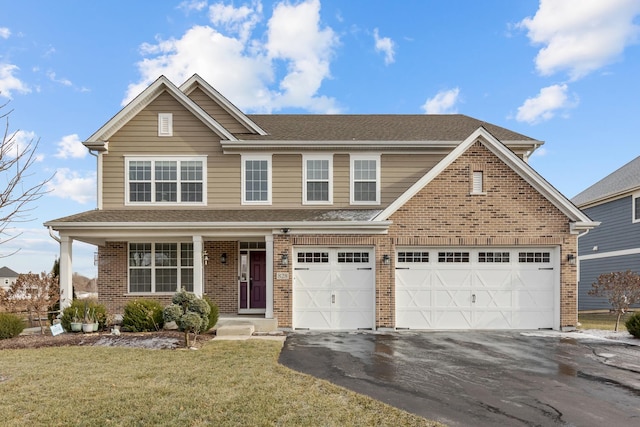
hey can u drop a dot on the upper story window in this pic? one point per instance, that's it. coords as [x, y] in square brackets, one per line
[365, 179]
[317, 171]
[636, 207]
[256, 180]
[166, 180]
[165, 124]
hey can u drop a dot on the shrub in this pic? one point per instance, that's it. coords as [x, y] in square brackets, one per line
[142, 315]
[213, 314]
[633, 324]
[77, 310]
[190, 313]
[10, 325]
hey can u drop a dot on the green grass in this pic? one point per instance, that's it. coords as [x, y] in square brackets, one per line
[223, 383]
[605, 321]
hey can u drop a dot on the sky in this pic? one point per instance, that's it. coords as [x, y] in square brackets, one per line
[565, 72]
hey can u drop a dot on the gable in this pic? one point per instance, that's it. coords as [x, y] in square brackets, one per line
[481, 137]
[620, 183]
[218, 113]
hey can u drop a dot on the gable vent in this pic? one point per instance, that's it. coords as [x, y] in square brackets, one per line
[165, 124]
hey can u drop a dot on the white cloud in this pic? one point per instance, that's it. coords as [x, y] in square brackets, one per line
[68, 184]
[581, 36]
[544, 106]
[5, 33]
[443, 103]
[9, 82]
[386, 46]
[70, 146]
[21, 142]
[242, 65]
[64, 82]
[192, 5]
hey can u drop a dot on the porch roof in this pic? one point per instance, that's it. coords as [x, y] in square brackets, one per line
[213, 216]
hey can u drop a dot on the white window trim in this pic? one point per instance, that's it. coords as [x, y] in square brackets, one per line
[634, 197]
[243, 159]
[168, 118]
[329, 158]
[153, 268]
[477, 174]
[353, 158]
[153, 159]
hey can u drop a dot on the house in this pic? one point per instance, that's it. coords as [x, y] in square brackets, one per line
[615, 244]
[326, 221]
[7, 277]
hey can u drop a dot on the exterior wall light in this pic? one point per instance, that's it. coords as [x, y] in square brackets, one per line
[571, 259]
[284, 259]
[205, 257]
[223, 258]
[386, 259]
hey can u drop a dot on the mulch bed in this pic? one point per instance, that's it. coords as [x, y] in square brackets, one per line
[151, 340]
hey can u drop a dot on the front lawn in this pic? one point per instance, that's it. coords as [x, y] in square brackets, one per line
[605, 321]
[223, 383]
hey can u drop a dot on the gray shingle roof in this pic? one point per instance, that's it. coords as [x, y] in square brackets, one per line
[218, 216]
[374, 127]
[623, 180]
[7, 272]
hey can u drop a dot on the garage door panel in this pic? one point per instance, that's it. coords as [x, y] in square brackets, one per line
[333, 288]
[473, 288]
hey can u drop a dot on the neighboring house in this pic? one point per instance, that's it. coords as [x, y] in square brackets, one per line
[614, 201]
[7, 277]
[326, 221]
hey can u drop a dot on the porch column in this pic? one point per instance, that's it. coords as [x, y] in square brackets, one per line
[66, 272]
[268, 314]
[198, 260]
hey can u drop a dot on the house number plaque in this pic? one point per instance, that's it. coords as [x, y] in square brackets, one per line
[282, 275]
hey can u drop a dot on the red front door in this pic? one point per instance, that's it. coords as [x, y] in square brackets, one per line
[257, 280]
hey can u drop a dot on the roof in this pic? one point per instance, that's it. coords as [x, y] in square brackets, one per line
[7, 272]
[203, 216]
[374, 127]
[621, 182]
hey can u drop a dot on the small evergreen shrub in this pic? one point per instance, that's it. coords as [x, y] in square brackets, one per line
[633, 324]
[190, 313]
[10, 325]
[76, 312]
[213, 314]
[142, 315]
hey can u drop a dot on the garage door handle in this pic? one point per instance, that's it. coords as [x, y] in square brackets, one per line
[300, 268]
[333, 299]
[545, 268]
[473, 298]
[402, 268]
[364, 268]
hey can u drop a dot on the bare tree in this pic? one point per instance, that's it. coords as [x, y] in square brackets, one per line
[621, 288]
[17, 191]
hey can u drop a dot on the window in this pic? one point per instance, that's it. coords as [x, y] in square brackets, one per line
[256, 180]
[313, 257]
[489, 257]
[453, 257]
[636, 207]
[353, 257]
[318, 179]
[157, 180]
[165, 124]
[160, 267]
[365, 179]
[413, 256]
[534, 257]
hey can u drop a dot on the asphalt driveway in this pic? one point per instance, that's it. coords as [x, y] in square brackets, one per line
[480, 378]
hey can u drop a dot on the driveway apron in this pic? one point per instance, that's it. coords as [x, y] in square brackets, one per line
[480, 378]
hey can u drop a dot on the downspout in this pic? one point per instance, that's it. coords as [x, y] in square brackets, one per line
[97, 178]
[53, 236]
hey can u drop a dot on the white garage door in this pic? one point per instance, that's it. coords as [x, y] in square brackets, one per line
[333, 288]
[473, 288]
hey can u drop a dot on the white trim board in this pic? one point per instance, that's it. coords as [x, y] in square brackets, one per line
[610, 254]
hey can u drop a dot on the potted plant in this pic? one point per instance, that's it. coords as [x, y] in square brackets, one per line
[76, 325]
[87, 324]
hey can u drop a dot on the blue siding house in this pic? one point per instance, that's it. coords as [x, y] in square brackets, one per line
[613, 201]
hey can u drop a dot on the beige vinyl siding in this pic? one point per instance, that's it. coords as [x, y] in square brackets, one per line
[217, 112]
[287, 180]
[190, 137]
[401, 171]
[341, 179]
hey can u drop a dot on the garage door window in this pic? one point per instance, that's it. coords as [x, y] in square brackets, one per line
[413, 256]
[488, 257]
[313, 257]
[453, 256]
[350, 257]
[534, 257]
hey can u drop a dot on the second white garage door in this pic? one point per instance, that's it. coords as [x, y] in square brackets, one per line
[333, 288]
[473, 288]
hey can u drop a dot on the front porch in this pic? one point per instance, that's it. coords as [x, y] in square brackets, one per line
[243, 323]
